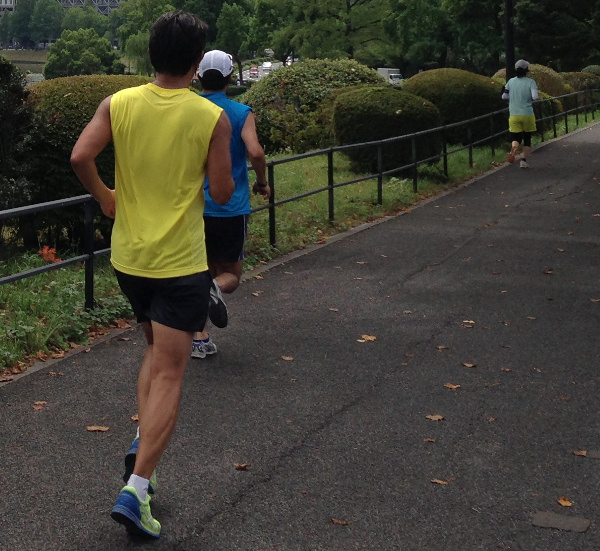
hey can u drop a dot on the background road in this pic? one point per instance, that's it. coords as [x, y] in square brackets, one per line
[493, 287]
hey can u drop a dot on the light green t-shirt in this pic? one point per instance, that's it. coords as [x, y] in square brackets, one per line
[519, 95]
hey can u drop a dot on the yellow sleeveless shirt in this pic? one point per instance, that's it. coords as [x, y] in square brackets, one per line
[161, 140]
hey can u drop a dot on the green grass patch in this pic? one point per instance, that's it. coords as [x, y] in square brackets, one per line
[27, 60]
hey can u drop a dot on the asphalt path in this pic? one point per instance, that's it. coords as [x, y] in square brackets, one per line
[324, 381]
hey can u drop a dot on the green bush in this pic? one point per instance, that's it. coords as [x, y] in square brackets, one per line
[62, 108]
[584, 82]
[543, 110]
[460, 95]
[285, 100]
[371, 113]
[15, 121]
[594, 69]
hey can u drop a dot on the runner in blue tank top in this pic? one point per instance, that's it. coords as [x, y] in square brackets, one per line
[225, 225]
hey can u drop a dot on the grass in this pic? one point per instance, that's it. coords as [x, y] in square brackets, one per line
[27, 60]
[45, 314]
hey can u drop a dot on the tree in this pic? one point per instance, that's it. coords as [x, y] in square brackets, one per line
[85, 18]
[5, 28]
[422, 31]
[134, 16]
[562, 34]
[336, 28]
[81, 52]
[232, 32]
[136, 50]
[207, 10]
[46, 20]
[20, 21]
[270, 26]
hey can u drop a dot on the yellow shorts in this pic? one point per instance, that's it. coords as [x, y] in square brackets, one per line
[521, 123]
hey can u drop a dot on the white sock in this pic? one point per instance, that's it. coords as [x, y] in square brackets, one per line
[137, 434]
[140, 484]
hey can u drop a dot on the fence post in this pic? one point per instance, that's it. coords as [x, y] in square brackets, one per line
[445, 151]
[493, 144]
[470, 140]
[553, 117]
[272, 232]
[330, 184]
[379, 174]
[88, 238]
[585, 106]
[413, 143]
[577, 110]
[567, 121]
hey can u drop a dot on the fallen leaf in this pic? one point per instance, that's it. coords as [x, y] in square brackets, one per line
[58, 355]
[548, 272]
[505, 323]
[595, 300]
[122, 324]
[361, 262]
[580, 453]
[135, 418]
[338, 522]
[287, 358]
[496, 273]
[6, 378]
[409, 355]
[442, 347]
[565, 502]
[451, 386]
[55, 374]
[241, 466]
[96, 428]
[506, 369]
[560, 250]
[491, 419]
[369, 338]
[431, 440]
[123, 338]
[334, 309]
[469, 364]
[39, 405]
[438, 481]
[257, 293]
[469, 321]
[258, 276]
[407, 312]
[531, 318]
[361, 340]
[435, 417]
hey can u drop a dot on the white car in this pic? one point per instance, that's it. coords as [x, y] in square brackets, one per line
[266, 66]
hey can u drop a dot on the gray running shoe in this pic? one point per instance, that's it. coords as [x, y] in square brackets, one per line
[201, 349]
[217, 309]
[524, 164]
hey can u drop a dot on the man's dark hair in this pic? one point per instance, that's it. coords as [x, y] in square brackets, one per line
[177, 40]
[213, 81]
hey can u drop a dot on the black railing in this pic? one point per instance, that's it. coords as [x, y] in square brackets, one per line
[586, 103]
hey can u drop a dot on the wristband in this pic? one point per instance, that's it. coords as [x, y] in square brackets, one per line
[260, 184]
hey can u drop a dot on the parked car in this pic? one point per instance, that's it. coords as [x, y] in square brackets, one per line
[253, 72]
[266, 66]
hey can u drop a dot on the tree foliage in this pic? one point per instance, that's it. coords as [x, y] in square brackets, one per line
[232, 31]
[46, 20]
[81, 52]
[136, 50]
[20, 21]
[85, 18]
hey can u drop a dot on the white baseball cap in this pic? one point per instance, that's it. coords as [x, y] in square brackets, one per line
[522, 64]
[218, 60]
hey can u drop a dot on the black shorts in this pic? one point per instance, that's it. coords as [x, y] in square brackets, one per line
[225, 237]
[177, 302]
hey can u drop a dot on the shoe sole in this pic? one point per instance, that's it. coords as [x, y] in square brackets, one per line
[122, 515]
[217, 313]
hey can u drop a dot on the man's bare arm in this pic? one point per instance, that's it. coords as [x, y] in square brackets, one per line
[218, 162]
[256, 155]
[94, 138]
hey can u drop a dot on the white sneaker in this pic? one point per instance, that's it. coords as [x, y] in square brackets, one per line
[523, 164]
[201, 349]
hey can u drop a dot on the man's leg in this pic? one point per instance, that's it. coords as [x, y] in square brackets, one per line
[159, 408]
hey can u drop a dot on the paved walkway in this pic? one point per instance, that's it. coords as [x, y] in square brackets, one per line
[492, 288]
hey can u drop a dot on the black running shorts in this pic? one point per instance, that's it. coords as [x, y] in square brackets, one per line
[177, 302]
[225, 237]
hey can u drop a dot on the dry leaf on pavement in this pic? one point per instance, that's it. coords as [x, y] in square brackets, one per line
[241, 466]
[369, 338]
[565, 502]
[39, 405]
[467, 364]
[451, 386]
[430, 440]
[580, 453]
[96, 428]
[257, 293]
[287, 358]
[135, 417]
[436, 417]
[338, 522]
[438, 481]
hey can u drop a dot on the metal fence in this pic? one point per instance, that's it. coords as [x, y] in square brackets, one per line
[585, 104]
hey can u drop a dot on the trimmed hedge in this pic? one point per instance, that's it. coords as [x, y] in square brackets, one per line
[286, 99]
[594, 69]
[371, 113]
[62, 108]
[460, 95]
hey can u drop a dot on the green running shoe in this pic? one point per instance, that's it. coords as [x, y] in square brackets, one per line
[134, 514]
